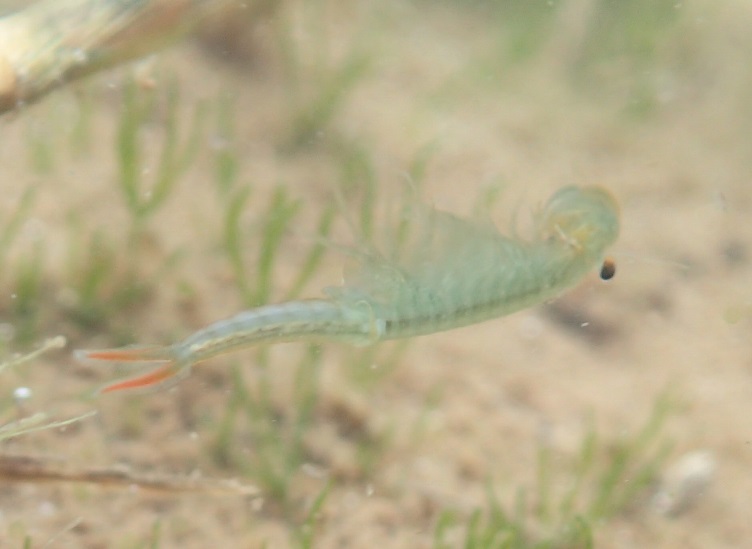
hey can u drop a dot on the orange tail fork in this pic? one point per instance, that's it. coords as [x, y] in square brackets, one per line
[138, 355]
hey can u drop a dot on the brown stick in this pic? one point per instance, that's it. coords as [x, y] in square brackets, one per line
[37, 470]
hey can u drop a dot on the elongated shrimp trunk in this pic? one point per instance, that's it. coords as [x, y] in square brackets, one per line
[317, 319]
[310, 319]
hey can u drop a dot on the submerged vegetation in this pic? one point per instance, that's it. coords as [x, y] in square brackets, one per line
[39, 420]
[565, 508]
[189, 203]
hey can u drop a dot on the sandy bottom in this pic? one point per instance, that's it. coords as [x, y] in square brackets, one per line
[424, 96]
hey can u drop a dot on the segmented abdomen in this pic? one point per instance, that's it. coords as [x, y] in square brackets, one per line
[293, 321]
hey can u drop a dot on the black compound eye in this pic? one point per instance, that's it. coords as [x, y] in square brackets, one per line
[608, 269]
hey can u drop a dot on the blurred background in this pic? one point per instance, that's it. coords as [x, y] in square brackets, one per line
[147, 201]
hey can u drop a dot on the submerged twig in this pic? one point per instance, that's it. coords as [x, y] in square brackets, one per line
[55, 41]
[20, 468]
[40, 420]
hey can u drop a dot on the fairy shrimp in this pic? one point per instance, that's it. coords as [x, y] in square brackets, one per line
[450, 273]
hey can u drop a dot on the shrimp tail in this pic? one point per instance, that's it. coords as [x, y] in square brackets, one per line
[169, 373]
[134, 353]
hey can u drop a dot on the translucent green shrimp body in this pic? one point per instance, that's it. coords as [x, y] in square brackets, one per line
[451, 273]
